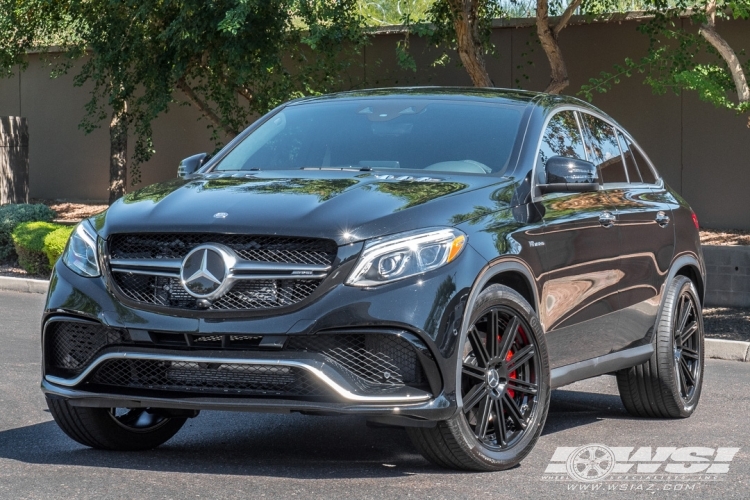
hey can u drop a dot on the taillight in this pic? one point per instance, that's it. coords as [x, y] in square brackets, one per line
[695, 221]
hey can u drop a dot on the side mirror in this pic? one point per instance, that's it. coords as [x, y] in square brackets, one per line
[191, 164]
[570, 175]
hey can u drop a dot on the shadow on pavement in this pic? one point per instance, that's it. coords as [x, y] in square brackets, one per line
[293, 446]
[569, 409]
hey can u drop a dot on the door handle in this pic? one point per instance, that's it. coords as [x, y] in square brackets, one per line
[662, 219]
[607, 219]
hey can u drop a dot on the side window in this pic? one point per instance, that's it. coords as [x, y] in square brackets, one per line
[633, 175]
[603, 150]
[647, 175]
[562, 137]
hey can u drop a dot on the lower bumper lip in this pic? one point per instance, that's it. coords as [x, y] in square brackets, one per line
[322, 371]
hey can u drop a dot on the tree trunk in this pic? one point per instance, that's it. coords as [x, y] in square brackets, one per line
[559, 72]
[14, 160]
[118, 154]
[470, 50]
[708, 31]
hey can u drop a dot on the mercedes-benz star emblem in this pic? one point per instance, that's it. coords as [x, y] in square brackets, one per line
[204, 271]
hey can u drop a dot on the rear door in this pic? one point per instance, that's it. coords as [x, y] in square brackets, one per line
[580, 257]
[644, 211]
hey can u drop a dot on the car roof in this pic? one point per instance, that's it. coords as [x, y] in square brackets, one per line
[510, 96]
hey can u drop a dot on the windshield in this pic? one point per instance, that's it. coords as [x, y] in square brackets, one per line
[466, 137]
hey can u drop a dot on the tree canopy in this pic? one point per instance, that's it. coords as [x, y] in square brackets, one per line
[231, 59]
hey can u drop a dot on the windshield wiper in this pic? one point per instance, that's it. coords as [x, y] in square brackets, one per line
[354, 169]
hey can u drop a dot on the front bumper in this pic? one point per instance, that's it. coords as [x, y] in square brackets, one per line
[429, 308]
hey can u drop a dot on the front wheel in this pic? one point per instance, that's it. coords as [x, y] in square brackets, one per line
[669, 384]
[122, 429]
[504, 387]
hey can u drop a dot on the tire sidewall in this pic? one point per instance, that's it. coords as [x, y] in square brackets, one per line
[665, 344]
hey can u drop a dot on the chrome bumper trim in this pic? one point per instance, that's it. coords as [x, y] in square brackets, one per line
[324, 372]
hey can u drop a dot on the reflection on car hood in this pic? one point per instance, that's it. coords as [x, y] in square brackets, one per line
[342, 205]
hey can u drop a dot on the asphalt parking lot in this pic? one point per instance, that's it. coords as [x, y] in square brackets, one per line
[244, 455]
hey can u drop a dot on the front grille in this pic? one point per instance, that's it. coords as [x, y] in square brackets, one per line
[70, 346]
[213, 378]
[250, 294]
[277, 249]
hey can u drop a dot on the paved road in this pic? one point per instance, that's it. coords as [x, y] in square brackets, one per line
[228, 455]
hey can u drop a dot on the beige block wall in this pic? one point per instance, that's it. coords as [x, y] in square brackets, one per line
[702, 152]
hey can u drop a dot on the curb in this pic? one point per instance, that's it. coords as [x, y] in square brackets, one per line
[23, 285]
[731, 350]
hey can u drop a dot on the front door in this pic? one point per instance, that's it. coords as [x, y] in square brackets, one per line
[582, 274]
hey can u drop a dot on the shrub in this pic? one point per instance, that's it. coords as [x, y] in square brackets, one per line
[28, 239]
[13, 215]
[54, 243]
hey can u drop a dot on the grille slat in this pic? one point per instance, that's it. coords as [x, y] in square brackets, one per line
[244, 295]
[277, 249]
[222, 378]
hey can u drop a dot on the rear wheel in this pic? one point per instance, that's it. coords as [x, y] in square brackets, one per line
[123, 429]
[669, 384]
[504, 387]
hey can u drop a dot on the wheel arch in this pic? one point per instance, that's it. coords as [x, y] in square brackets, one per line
[691, 271]
[502, 271]
[512, 278]
[689, 266]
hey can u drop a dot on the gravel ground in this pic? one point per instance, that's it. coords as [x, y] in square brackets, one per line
[727, 323]
[725, 237]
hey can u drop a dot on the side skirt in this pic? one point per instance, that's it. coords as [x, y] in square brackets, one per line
[594, 367]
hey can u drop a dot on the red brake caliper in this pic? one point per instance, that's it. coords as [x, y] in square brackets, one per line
[512, 374]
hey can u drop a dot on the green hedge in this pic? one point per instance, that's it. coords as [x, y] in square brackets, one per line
[13, 215]
[29, 240]
[54, 243]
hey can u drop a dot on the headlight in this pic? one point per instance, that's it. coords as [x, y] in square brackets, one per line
[400, 256]
[80, 254]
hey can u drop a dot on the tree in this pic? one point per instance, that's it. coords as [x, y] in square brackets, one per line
[695, 58]
[231, 59]
[466, 25]
[461, 25]
[548, 37]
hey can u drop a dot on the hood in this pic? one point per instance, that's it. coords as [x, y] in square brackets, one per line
[345, 206]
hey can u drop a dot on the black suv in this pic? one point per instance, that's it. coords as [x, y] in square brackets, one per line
[432, 258]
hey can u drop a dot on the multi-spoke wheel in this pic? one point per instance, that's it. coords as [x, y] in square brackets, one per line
[669, 384]
[114, 428]
[503, 381]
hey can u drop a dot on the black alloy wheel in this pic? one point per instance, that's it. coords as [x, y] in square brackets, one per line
[669, 384]
[137, 419]
[499, 382]
[502, 376]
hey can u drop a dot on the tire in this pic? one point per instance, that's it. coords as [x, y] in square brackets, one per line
[465, 442]
[99, 428]
[662, 386]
